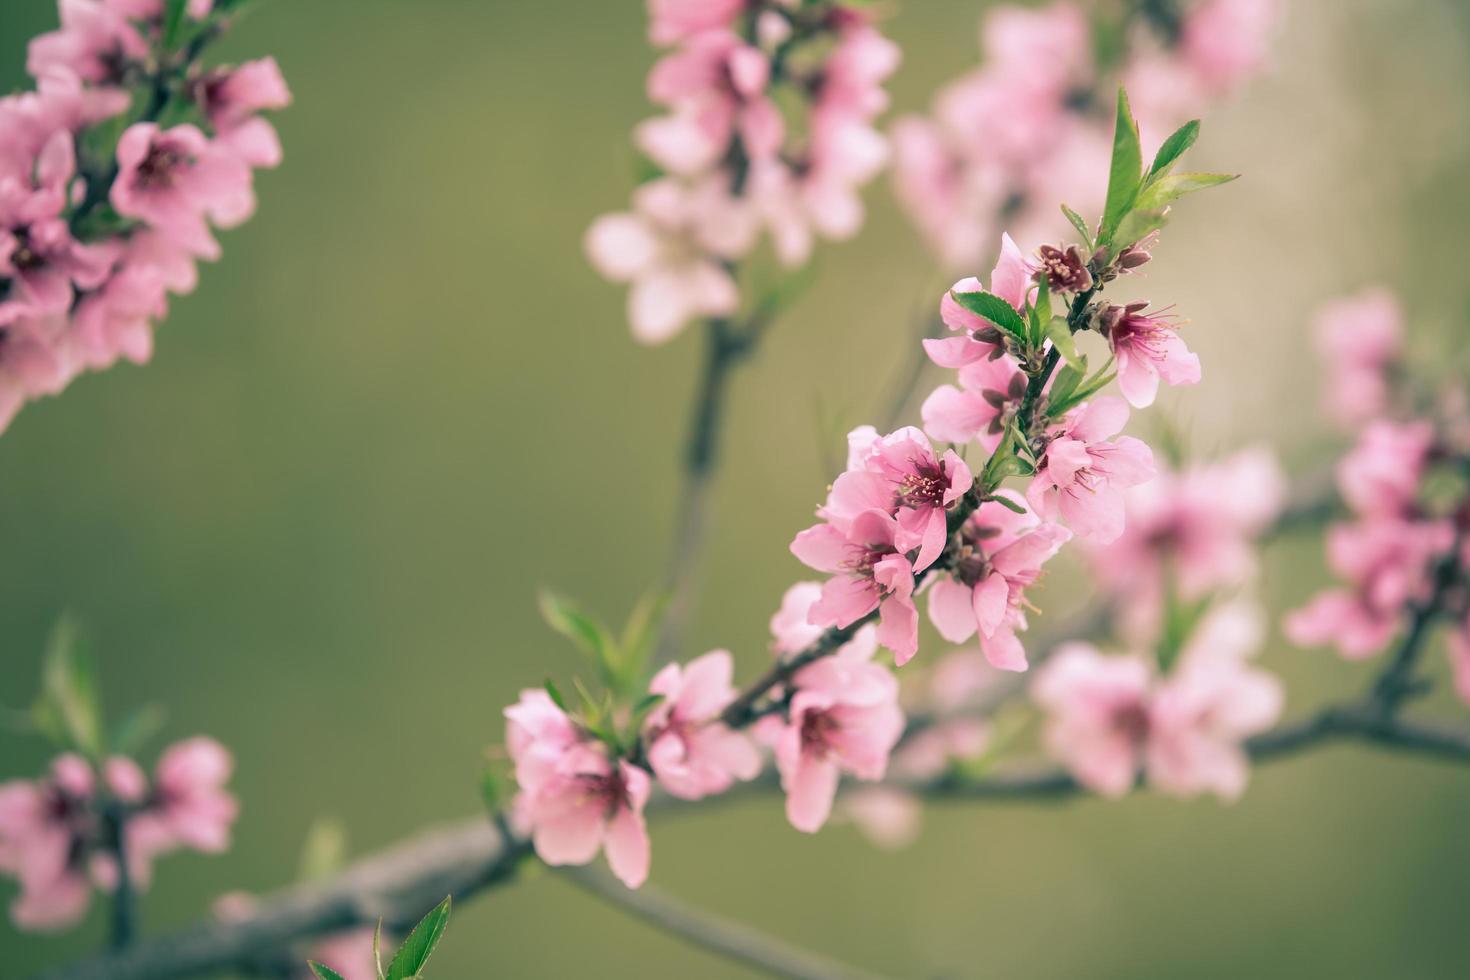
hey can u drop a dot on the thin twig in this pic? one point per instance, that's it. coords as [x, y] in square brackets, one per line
[697, 927]
[124, 914]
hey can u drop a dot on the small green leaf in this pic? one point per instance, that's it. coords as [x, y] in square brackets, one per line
[1174, 186]
[69, 709]
[1080, 225]
[554, 694]
[173, 21]
[586, 633]
[1124, 172]
[136, 729]
[1179, 141]
[1040, 312]
[1137, 225]
[409, 961]
[378, 948]
[1065, 381]
[1059, 332]
[639, 635]
[994, 309]
[1007, 503]
[323, 971]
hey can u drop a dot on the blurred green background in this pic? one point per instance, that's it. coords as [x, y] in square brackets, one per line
[314, 526]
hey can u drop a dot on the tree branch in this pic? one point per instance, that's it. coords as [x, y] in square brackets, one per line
[732, 940]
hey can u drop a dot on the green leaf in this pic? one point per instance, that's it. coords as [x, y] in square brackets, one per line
[555, 695]
[173, 22]
[136, 729]
[1065, 381]
[1136, 226]
[1059, 332]
[1007, 503]
[994, 309]
[1124, 172]
[323, 971]
[409, 961]
[69, 709]
[325, 850]
[586, 633]
[378, 948]
[639, 635]
[1179, 141]
[1040, 312]
[1174, 186]
[1083, 391]
[1080, 225]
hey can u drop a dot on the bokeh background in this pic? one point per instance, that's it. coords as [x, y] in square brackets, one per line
[314, 526]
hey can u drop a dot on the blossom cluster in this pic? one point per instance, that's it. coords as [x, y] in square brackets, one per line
[768, 130]
[1030, 125]
[1112, 719]
[1406, 482]
[905, 518]
[60, 835]
[113, 171]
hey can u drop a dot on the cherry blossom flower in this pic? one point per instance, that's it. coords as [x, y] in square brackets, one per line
[1148, 349]
[844, 717]
[671, 21]
[1385, 563]
[1382, 473]
[1000, 555]
[96, 42]
[1084, 471]
[691, 753]
[42, 824]
[1110, 719]
[1199, 526]
[573, 799]
[1225, 42]
[1360, 338]
[1010, 281]
[190, 803]
[988, 396]
[174, 179]
[668, 248]
[1097, 715]
[718, 84]
[868, 573]
[791, 630]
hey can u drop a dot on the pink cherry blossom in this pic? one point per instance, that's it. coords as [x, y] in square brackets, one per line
[1084, 471]
[989, 395]
[37, 252]
[671, 21]
[868, 573]
[1360, 338]
[97, 43]
[1110, 720]
[1382, 473]
[1225, 42]
[719, 83]
[923, 488]
[191, 805]
[1385, 563]
[1148, 349]
[1097, 715]
[792, 631]
[176, 178]
[230, 96]
[589, 803]
[1199, 526]
[691, 753]
[669, 249]
[573, 799]
[999, 556]
[43, 836]
[844, 717]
